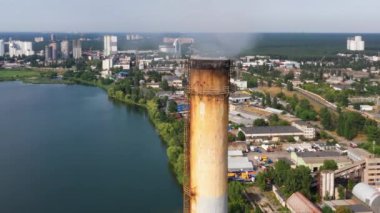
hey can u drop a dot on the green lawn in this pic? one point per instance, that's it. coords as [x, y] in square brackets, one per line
[18, 74]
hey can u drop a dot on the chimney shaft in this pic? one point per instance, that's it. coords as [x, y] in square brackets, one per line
[208, 95]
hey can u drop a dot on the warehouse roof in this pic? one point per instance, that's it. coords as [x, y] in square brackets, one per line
[270, 130]
[239, 164]
[299, 203]
[318, 154]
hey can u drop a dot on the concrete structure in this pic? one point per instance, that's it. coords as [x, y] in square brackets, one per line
[241, 85]
[237, 164]
[235, 153]
[20, 48]
[110, 45]
[51, 53]
[298, 203]
[355, 43]
[173, 81]
[107, 63]
[354, 205]
[314, 160]
[38, 39]
[357, 154]
[368, 195]
[366, 108]
[65, 51]
[206, 149]
[77, 49]
[271, 131]
[166, 49]
[52, 37]
[2, 51]
[372, 172]
[327, 184]
[306, 128]
[239, 97]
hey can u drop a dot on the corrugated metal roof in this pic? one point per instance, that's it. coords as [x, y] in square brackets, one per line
[270, 130]
[300, 204]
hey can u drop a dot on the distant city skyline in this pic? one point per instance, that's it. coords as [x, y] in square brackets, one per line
[323, 16]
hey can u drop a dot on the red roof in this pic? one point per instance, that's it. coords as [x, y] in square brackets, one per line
[300, 204]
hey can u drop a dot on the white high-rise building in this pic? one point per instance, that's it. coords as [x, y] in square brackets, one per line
[355, 43]
[110, 45]
[20, 48]
[1, 48]
[65, 49]
[77, 49]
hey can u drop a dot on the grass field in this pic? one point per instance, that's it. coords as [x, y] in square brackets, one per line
[18, 74]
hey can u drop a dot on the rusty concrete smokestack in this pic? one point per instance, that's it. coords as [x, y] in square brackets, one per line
[207, 141]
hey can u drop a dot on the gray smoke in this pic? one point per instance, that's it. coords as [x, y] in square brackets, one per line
[223, 44]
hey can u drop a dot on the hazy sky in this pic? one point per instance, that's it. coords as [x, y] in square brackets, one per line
[190, 15]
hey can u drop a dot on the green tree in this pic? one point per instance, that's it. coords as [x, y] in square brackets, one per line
[343, 209]
[350, 124]
[172, 106]
[341, 192]
[326, 119]
[236, 201]
[289, 86]
[356, 106]
[268, 99]
[275, 102]
[329, 165]
[241, 136]
[350, 184]
[258, 210]
[164, 85]
[282, 169]
[327, 209]
[260, 122]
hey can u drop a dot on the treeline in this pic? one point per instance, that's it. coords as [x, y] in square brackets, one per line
[350, 124]
[331, 95]
[237, 203]
[287, 179]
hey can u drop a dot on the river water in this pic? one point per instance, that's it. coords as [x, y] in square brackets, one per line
[70, 149]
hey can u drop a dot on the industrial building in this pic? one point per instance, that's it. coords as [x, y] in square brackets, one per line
[298, 203]
[241, 85]
[173, 81]
[110, 45]
[238, 163]
[354, 205]
[372, 172]
[357, 154]
[306, 128]
[355, 43]
[271, 132]
[327, 184]
[368, 195]
[314, 160]
[239, 97]
[20, 48]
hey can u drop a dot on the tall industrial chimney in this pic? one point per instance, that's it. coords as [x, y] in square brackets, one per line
[205, 185]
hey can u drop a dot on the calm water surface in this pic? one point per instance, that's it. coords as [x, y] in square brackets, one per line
[70, 149]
